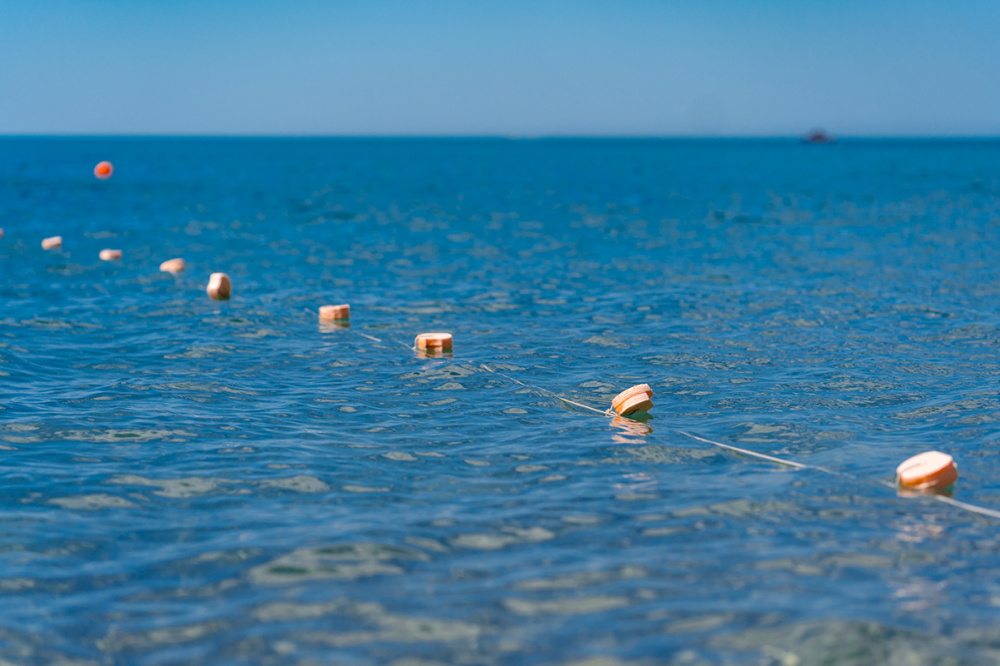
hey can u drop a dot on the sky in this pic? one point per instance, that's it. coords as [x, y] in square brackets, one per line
[682, 68]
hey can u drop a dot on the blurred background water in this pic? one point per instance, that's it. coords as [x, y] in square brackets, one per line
[190, 481]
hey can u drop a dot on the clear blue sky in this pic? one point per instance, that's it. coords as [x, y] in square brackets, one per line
[471, 67]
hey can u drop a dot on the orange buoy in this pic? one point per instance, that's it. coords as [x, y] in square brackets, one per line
[172, 266]
[635, 404]
[433, 342]
[334, 312]
[633, 400]
[109, 255]
[630, 392]
[219, 286]
[103, 170]
[51, 242]
[930, 469]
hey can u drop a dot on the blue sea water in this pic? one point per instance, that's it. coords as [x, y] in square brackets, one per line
[187, 481]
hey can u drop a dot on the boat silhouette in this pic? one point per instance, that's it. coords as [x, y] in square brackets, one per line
[818, 136]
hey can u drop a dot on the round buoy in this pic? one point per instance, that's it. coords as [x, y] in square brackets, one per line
[635, 404]
[219, 286]
[52, 242]
[103, 170]
[633, 400]
[630, 392]
[110, 255]
[433, 342]
[930, 469]
[334, 312]
[172, 266]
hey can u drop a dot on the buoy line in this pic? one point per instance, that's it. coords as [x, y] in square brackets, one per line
[927, 471]
[946, 466]
[965, 506]
[339, 316]
[931, 470]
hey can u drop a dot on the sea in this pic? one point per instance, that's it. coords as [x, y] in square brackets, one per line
[192, 481]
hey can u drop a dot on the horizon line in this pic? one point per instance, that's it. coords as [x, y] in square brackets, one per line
[508, 137]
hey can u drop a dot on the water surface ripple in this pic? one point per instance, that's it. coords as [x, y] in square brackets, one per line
[196, 482]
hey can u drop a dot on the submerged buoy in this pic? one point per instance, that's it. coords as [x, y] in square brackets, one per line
[633, 400]
[433, 342]
[172, 266]
[109, 255]
[926, 471]
[334, 312]
[103, 170]
[52, 242]
[219, 286]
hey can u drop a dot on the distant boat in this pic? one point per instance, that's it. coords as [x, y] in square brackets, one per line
[818, 136]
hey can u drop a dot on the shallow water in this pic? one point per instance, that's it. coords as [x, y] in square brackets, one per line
[191, 481]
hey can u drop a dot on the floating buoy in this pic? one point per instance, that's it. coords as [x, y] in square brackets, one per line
[433, 342]
[219, 286]
[334, 312]
[103, 170]
[928, 470]
[109, 255]
[172, 266]
[633, 400]
[1, 233]
[51, 242]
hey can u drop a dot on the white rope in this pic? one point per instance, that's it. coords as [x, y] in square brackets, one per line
[372, 337]
[968, 507]
[965, 506]
[780, 461]
[893, 486]
[547, 392]
[365, 335]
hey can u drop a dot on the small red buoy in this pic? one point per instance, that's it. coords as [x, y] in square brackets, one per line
[103, 170]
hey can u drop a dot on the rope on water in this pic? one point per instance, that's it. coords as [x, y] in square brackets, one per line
[762, 456]
[983, 511]
[365, 335]
[965, 506]
[547, 392]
